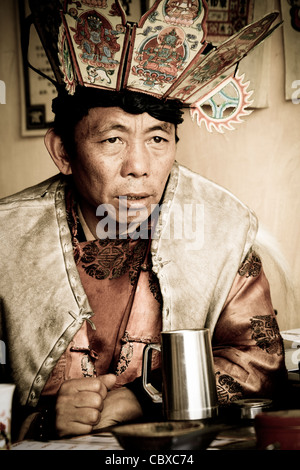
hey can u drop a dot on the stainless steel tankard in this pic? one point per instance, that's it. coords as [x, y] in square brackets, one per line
[188, 378]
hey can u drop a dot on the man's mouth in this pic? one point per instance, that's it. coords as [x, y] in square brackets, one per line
[134, 202]
[134, 198]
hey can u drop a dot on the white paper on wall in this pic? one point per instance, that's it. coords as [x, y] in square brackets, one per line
[290, 10]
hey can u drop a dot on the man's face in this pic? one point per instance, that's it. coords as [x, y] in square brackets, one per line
[123, 160]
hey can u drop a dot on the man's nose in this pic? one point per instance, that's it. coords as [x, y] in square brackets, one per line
[136, 160]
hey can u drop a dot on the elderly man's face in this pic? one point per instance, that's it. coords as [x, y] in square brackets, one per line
[123, 161]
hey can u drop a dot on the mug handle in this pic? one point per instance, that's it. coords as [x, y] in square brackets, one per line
[154, 394]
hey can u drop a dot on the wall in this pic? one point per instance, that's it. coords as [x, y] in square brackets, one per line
[259, 161]
[23, 161]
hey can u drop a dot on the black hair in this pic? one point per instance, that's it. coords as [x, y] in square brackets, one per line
[69, 110]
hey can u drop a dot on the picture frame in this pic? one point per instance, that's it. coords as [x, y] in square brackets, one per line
[36, 92]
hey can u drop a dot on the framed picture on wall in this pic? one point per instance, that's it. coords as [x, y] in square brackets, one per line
[36, 92]
[291, 33]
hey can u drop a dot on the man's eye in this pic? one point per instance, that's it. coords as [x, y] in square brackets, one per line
[157, 139]
[112, 140]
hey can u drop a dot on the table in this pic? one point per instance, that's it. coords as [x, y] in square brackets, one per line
[241, 438]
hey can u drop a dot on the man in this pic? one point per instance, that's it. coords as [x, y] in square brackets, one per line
[95, 265]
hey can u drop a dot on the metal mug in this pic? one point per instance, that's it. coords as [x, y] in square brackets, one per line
[189, 389]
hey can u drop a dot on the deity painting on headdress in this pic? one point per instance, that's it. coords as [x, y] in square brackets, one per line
[212, 68]
[173, 34]
[98, 42]
[182, 12]
[160, 57]
[219, 61]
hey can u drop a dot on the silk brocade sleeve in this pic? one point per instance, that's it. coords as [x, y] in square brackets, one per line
[247, 345]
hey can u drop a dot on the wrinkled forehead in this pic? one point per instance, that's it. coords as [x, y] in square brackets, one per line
[102, 120]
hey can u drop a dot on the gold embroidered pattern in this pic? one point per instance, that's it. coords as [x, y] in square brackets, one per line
[228, 389]
[87, 366]
[251, 266]
[112, 258]
[126, 354]
[266, 334]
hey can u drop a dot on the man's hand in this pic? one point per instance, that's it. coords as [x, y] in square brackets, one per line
[120, 406]
[80, 403]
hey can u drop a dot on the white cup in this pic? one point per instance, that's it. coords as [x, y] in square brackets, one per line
[6, 396]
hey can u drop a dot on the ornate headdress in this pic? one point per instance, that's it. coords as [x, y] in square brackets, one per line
[90, 43]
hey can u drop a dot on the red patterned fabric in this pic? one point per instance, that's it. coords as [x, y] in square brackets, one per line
[247, 345]
[124, 295]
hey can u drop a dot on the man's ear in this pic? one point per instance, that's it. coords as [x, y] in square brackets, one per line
[57, 152]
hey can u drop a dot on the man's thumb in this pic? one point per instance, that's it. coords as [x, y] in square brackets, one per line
[108, 380]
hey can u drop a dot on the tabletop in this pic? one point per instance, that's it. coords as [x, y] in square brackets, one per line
[237, 438]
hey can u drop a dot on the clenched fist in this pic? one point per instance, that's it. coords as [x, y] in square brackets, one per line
[79, 404]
